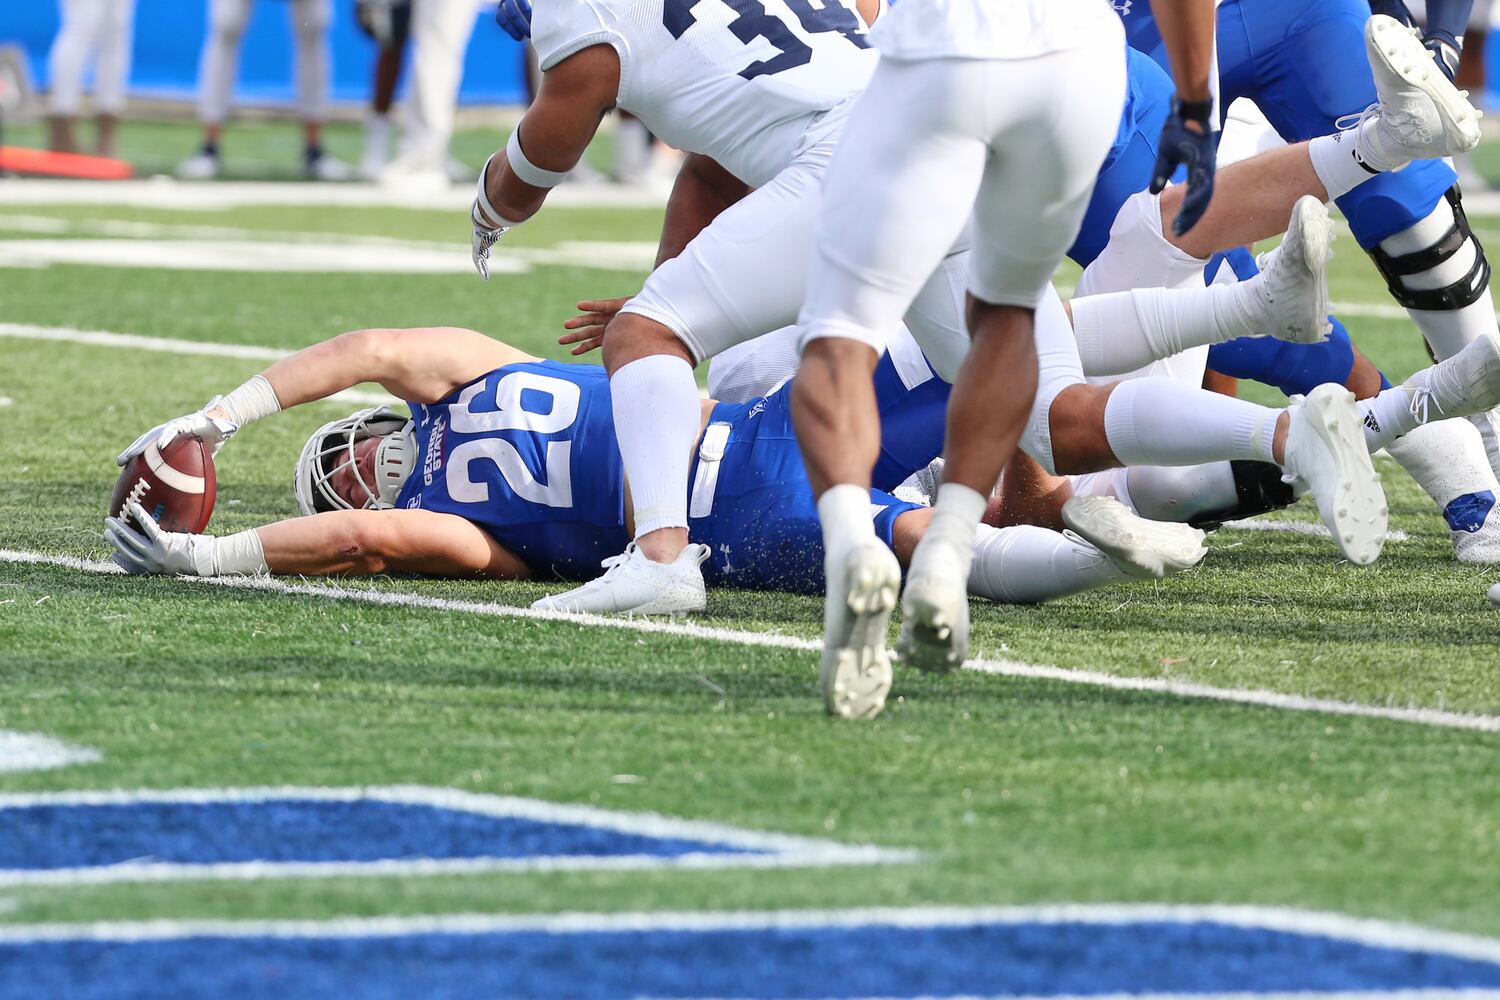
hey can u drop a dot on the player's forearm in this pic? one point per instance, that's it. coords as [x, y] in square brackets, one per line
[1187, 28]
[702, 190]
[323, 369]
[319, 545]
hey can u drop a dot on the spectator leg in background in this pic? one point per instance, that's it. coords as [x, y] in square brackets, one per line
[112, 75]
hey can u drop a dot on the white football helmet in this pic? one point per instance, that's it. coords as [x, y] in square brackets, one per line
[331, 448]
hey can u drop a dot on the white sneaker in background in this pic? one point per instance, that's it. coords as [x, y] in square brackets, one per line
[201, 166]
[326, 168]
[862, 585]
[634, 585]
[377, 147]
[1327, 457]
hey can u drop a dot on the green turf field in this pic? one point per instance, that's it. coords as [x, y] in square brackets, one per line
[1014, 790]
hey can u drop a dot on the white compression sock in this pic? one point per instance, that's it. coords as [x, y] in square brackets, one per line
[844, 512]
[1156, 421]
[1335, 162]
[1387, 416]
[1026, 564]
[656, 408]
[1125, 331]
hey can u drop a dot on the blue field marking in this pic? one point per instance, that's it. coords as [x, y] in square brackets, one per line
[1063, 952]
[83, 837]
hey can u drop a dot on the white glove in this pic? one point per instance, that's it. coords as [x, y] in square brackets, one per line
[150, 550]
[212, 430]
[484, 237]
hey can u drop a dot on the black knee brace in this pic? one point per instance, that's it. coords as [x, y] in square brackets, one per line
[1258, 489]
[1465, 291]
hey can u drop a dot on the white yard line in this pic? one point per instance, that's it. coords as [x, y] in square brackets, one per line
[1355, 930]
[34, 752]
[1004, 668]
[164, 192]
[1300, 528]
[168, 345]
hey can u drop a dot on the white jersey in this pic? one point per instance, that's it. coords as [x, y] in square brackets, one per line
[991, 29]
[737, 80]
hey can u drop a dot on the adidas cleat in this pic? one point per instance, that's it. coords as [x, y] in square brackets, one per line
[1293, 283]
[1419, 106]
[1327, 457]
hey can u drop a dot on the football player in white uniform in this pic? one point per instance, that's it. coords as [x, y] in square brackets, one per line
[758, 90]
[1004, 113]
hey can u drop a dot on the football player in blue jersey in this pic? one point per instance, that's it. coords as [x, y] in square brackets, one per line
[1314, 65]
[1446, 458]
[508, 468]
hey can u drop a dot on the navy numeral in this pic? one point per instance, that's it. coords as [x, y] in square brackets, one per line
[755, 21]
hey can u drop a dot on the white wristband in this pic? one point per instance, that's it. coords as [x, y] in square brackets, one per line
[528, 171]
[251, 401]
[489, 215]
[240, 554]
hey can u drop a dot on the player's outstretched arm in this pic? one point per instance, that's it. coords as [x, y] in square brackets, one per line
[423, 364]
[336, 543]
[1187, 140]
[547, 144]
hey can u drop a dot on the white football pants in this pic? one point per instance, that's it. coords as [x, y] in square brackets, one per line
[98, 32]
[221, 57]
[1017, 144]
[440, 31]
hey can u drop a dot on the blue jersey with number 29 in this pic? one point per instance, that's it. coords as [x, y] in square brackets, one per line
[527, 452]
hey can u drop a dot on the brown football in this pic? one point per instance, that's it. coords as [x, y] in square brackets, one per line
[176, 485]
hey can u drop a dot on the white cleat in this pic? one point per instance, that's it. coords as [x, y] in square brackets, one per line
[935, 607]
[856, 669]
[634, 585]
[1327, 457]
[1419, 107]
[198, 167]
[1293, 283]
[1460, 386]
[1139, 547]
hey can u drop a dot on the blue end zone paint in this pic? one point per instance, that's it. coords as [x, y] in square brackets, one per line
[114, 836]
[1061, 958]
[80, 836]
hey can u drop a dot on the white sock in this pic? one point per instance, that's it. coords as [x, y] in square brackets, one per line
[955, 517]
[656, 408]
[1387, 416]
[844, 512]
[1026, 564]
[1125, 331]
[1181, 493]
[1156, 421]
[1336, 162]
[1447, 459]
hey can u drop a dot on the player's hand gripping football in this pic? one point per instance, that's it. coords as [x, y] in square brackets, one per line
[212, 425]
[1188, 141]
[142, 548]
[586, 330]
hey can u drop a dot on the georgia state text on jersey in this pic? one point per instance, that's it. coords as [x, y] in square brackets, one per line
[527, 452]
[737, 80]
